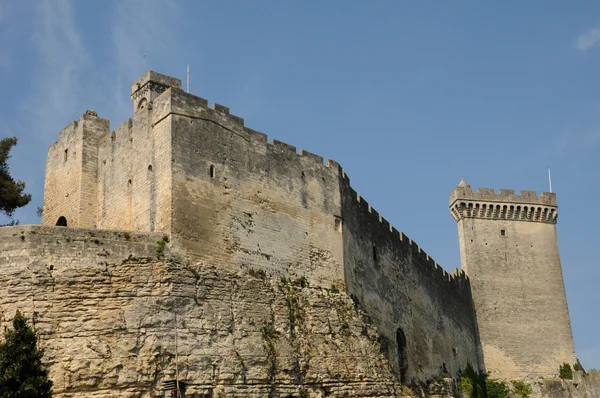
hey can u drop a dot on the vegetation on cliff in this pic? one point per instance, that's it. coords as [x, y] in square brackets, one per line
[11, 191]
[21, 370]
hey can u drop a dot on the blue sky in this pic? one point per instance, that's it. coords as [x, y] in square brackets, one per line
[409, 97]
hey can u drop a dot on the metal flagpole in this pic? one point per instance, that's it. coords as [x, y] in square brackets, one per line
[550, 179]
[188, 78]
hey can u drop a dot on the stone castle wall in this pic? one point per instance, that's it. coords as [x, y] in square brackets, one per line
[135, 177]
[509, 250]
[230, 198]
[240, 200]
[403, 289]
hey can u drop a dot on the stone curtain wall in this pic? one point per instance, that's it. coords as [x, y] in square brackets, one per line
[240, 200]
[401, 287]
[104, 306]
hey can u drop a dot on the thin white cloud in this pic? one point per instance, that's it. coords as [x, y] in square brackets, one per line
[588, 39]
[590, 357]
[141, 28]
[62, 53]
[56, 86]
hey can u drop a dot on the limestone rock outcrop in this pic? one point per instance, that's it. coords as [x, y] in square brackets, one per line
[110, 321]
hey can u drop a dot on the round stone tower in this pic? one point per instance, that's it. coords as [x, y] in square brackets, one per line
[509, 250]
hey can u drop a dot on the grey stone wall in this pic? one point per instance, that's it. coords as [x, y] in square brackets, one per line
[241, 201]
[135, 175]
[582, 386]
[401, 287]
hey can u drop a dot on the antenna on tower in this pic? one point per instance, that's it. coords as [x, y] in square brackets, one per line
[188, 79]
[550, 179]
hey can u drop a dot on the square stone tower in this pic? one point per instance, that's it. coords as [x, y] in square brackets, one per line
[509, 250]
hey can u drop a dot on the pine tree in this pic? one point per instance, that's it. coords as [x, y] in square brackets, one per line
[21, 372]
[11, 191]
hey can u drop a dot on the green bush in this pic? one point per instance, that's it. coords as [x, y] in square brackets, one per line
[496, 389]
[565, 371]
[522, 389]
[21, 370]
[473, 383]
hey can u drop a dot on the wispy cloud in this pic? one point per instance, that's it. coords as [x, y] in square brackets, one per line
[590, 357]
[572, 142]
[588, 39]
[54, 95]
[62, 54]
[141, 28]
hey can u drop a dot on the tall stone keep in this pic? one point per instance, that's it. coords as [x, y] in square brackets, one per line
[509, 250]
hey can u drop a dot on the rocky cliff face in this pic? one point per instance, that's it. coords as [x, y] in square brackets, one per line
[110, 322]
[582, 386]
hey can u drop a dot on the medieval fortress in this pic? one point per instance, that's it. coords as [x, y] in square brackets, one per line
[278, 278]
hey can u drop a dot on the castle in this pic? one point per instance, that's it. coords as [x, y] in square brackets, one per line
[216, 193]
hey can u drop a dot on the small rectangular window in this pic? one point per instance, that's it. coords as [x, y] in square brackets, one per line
[503, 232]
[66, 154]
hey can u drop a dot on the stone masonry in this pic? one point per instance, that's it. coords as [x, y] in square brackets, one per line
[509, 250]
[228, 197]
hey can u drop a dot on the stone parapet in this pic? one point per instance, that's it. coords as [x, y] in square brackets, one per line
[506, 205]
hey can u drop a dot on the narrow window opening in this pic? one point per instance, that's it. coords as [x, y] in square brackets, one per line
[503, 232]
[374, 253]
[61, 222]
[212, 171]
[66, 154]
[338, 223]
[150, 168]
[402, 355]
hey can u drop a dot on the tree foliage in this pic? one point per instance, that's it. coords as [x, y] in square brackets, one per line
[21, 372]
[11, 191]
[565, 371]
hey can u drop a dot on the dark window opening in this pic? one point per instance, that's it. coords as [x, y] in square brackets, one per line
[66, 154]
[503, 232]
[61, 222]
[374, 253]
[402, 355]
[150, 168]
[212, 171]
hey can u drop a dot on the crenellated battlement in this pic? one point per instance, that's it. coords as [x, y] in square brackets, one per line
[506, 205]
[189, 105]
[404, 243]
